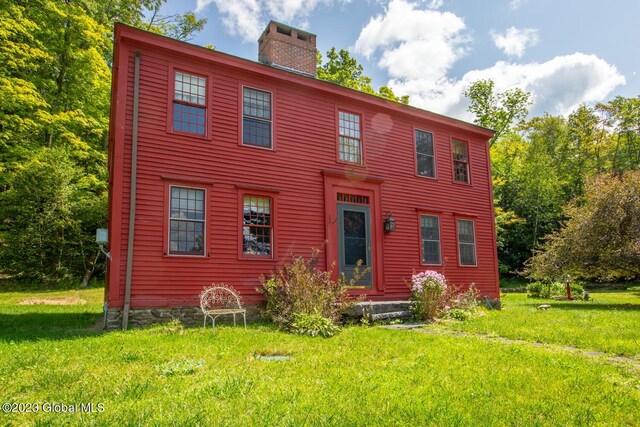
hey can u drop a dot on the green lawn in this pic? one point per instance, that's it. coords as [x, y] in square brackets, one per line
[363, 376]
[610, 322]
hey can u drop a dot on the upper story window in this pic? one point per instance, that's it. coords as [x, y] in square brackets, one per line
[189, 103]
[430, 235]
[186, 221]
[256, 117]
[257, 225]
[460, 161]
[467, 242]
[425, 154]
[349, 137]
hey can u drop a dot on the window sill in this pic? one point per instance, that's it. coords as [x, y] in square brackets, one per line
[193, 257]
[189, 135]
[257, 258]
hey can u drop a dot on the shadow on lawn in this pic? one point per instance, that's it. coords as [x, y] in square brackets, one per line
[53, 326]
[583, 305]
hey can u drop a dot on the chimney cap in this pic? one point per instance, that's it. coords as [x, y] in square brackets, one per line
[285, 29]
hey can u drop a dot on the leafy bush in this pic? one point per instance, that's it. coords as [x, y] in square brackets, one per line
[313, 325]
[555, 289]
[299, 288]
[457, 314]
[427, 289]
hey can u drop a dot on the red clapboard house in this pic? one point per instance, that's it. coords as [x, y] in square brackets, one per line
[220, 168]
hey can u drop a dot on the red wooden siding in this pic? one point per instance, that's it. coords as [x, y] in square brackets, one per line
[295, 173]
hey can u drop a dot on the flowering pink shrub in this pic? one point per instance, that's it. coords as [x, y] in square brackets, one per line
[427, 289]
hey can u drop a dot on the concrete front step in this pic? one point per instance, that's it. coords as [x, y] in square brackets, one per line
[369, 309]
[391, 315]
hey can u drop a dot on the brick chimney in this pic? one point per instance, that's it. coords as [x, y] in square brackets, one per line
[286, 47]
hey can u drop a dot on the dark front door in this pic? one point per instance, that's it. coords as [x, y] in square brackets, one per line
[354, 242]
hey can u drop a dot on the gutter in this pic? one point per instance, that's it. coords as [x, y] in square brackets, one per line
[132, 197]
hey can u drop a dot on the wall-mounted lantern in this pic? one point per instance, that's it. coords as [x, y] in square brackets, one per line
[389, 223]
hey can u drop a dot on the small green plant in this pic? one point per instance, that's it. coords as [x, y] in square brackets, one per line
[457, 314]
[173, 326]
[179, 367]
[313, 325]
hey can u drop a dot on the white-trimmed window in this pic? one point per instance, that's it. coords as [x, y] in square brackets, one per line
[430, 238]
[186, 221]
[256, 117]
[189, 103]
[460, 161]
[349, 137]
[425, 154]
[257, 225]
[467, 242]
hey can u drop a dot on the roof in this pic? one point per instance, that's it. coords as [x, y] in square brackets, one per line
[141, 37]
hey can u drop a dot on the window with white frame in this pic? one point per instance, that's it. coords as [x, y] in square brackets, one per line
[460, 161]
[467, 242]
[257, 225]
[349, 137]
[256, 117]
[189, 103]
[425, 154]
[430, 236]
[186, 221]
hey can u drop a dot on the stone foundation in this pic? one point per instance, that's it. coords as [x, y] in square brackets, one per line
[189, 316]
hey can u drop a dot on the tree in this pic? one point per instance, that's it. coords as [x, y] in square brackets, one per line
[55, 59]
[497, 111]
[344, 70]
[601, 239]
[50, 214]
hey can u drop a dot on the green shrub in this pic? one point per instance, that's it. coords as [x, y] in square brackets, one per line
[299, 288]
[555, 289]
[313, 325]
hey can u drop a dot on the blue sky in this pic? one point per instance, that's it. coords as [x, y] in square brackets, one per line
[566, 52]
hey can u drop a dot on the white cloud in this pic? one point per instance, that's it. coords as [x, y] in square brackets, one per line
[514, 41]
[414, 43]
[558, 85]
[515, 4]
[436, 4]
[248, 18]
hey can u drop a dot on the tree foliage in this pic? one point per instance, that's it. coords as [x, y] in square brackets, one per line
[601, 238]
[541, 165]
[497, 111]
[55, 77]
[344, 70]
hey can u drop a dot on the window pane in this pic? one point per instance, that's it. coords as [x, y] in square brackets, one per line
[460, 171]
[349, 124]
[460, 151]
[186, 210]
[256, 103]
[465, 231]
[190, 88]
[349, 149]
[256, 132]
[431, 252]
[256, 232]
[424, 142]
[187, 118]
[467, 254]
[426, 166]
[430, 230]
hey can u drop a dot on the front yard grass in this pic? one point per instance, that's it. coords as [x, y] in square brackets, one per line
[363, 376]
[609, 322]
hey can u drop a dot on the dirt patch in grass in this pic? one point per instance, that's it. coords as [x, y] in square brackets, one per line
[53, 301]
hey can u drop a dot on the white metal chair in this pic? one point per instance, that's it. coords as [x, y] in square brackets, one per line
[219, 299]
